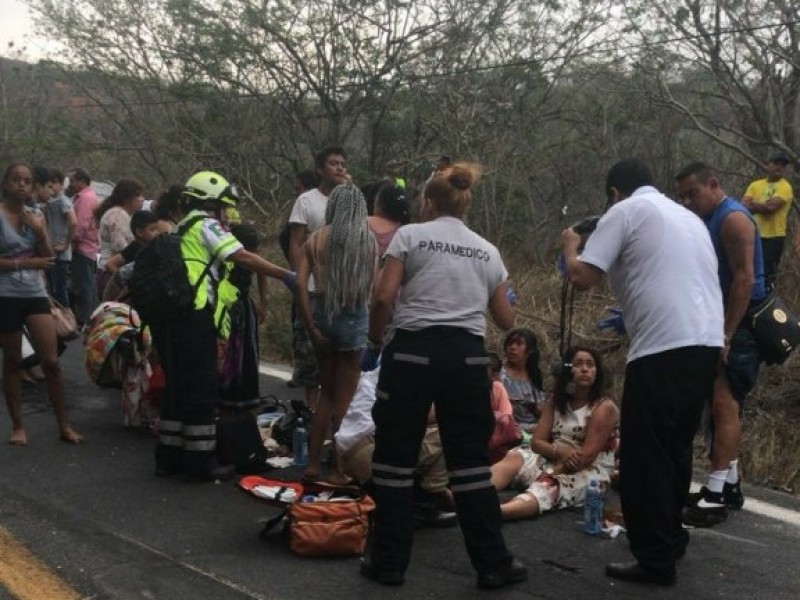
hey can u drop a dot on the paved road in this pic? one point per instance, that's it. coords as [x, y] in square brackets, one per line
[98, 517]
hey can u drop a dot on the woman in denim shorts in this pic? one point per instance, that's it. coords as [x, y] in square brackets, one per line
[25, 253]
[341, 257]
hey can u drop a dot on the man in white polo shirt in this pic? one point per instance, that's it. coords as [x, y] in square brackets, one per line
[662, 269]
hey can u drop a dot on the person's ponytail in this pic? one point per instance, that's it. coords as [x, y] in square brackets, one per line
[451, 192]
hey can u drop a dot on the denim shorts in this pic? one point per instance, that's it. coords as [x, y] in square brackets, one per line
[347, 330]
[743, 363]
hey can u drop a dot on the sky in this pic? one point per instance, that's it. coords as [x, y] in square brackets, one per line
[16, 25]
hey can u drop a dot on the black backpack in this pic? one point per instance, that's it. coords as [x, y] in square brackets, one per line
[160, 284]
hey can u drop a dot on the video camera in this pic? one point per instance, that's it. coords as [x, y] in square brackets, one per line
[584, 228]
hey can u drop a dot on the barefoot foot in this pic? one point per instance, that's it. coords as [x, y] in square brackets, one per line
[18, 437]
[70, 436]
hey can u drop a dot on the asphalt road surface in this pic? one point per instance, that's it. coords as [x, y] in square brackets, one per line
[98, 518]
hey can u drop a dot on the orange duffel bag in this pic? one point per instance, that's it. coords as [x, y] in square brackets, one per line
[331, 525]
[319, 519]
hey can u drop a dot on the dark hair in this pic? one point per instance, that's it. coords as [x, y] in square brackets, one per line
[57, 176]
[322, 156]
[532, 360]
[451, 193]
[141, 219]
[10, 168]
[41, 175]
[308, 179]
[627, 176]
[370, 191]
[247, 236]
[124, 191]
[81, 175]
[168, 202]
[696, 168]
[392, 202]
[562, 392]
[495, 362]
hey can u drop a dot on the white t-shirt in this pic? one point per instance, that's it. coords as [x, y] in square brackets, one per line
[309, 210]
[450, 274]
[662, 269]
[357, 422]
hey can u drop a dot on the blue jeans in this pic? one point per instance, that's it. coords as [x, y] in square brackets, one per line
[58, 280]
[84, 286]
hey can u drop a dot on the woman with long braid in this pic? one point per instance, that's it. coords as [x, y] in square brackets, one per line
[341, 257]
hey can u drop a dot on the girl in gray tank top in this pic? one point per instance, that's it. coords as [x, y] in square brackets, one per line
[24, 254]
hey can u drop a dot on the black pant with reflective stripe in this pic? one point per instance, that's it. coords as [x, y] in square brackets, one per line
[187, 345]
[446, 366]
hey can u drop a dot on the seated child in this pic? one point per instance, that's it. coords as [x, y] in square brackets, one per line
[144, 226]
[522, 377]
[506, 433]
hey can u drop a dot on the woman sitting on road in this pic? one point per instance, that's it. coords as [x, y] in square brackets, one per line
[573, 442]
[25, 253]
[522, 377]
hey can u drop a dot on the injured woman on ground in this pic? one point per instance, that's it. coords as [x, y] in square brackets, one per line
[573, 442]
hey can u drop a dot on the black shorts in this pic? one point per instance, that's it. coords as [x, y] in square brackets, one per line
[14, 311]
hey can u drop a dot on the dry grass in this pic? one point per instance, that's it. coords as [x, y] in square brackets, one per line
[770, 452]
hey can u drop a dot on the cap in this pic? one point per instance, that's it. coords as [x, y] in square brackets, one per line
[779, 157]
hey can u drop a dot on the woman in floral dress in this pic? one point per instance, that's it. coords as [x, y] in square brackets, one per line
[573, 442]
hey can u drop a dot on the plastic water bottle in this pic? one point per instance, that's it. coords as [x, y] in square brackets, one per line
[300, 444]
[593, 509]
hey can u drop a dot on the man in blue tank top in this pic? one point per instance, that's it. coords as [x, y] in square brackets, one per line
[741, 275]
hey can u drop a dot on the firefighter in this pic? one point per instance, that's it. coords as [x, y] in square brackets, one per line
[186, 339]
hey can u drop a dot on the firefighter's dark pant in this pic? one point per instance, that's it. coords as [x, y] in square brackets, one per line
[187, 345]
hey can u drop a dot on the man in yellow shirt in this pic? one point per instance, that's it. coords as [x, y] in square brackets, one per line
[769, 200]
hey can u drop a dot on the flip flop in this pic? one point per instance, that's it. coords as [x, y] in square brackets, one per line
[340, 480]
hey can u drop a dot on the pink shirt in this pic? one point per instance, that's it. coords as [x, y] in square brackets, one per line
[500, 401]
[85, 240]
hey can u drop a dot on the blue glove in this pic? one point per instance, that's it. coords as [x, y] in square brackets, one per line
[511, 295]
[290, 280]
[369, 359]
[614, 322]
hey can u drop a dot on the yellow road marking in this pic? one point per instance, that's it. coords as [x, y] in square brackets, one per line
[26, 577]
